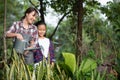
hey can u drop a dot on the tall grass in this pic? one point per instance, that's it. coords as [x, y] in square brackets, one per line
[67, 70]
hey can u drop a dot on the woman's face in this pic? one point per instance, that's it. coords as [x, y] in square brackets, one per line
[31, 17]
[41, 30]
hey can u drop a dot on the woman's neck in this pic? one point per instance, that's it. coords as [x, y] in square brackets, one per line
[25, 24]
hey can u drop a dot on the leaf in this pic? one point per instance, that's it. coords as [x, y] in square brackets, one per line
[88, 65]
[40, 71]
[70, 61]
[12, 71]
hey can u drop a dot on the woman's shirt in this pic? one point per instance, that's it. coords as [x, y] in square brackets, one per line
[17, 27]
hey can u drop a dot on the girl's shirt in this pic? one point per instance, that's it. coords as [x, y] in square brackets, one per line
[44, 43]
[46, 48]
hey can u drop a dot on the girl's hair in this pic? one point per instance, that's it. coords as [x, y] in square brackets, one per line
[40, 23]
[29, 10]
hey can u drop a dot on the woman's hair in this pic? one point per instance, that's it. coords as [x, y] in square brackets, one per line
[29, 10]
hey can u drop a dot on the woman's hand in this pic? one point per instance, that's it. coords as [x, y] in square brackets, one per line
[25, 52]
[19, 36]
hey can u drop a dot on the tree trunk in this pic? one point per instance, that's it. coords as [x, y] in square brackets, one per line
[79, 30]
[4, 38]
[41, 10]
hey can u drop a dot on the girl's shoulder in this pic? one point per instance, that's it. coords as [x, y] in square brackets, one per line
[47, 38]
[50, 42]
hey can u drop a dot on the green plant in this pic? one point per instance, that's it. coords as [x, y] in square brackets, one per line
[84, 71]
[17, 70]
[70, 61]
[87, 65]
[67, 70]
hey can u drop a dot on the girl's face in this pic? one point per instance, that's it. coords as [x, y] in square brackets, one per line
[41, 30]
[31, 17]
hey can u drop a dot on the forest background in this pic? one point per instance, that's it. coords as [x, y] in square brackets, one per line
[85, 29]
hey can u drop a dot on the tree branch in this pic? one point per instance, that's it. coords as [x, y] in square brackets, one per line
[58, 24]
[32, 3]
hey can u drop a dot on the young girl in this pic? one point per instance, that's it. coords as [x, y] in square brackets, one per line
[47, 50]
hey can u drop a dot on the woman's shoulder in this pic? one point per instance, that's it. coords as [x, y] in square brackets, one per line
[17, 22]
[33, 26]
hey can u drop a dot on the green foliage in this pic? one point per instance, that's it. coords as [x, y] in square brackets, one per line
[88, 65]
[70, 61]
[90, 7]
[117, 66]
[101, 37]
[39, 72]
[50, 29]
[66, 38]
[98, 76]
[100, 40]
[17, 70]
[62, 6]
[112, 12]
[86, 70]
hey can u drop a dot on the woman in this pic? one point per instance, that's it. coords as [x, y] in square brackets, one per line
[24, 27]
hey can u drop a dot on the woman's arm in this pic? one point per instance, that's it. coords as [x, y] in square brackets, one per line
[17, 35]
